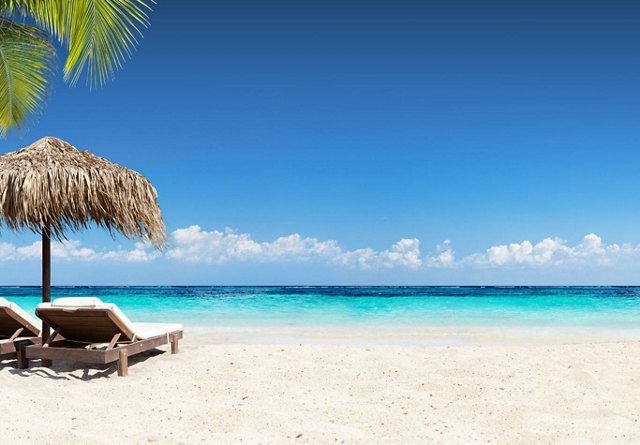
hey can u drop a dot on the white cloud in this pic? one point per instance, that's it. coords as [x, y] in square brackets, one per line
[7, 251]
[73, 250]
[444, 256]
[195, 245]
[141, 253]
[404, 253]
[555, 252]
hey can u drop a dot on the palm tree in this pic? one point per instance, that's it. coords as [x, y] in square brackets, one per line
[99, 36]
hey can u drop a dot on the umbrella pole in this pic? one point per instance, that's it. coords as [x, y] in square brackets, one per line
[46, 281]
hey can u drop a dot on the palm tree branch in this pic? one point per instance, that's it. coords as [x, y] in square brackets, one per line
[27, 59]
[99, 34]
[102, 35]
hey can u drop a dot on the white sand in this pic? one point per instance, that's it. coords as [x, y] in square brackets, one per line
[333, 393]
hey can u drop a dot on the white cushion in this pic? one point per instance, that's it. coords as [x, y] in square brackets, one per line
[20, 312]
[76, 302]
[140, 330]
[67, 304]
[148, 330]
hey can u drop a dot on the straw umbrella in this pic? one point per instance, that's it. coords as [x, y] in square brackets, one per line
[52, 188]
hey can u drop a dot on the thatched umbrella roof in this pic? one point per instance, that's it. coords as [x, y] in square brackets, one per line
[52, 184]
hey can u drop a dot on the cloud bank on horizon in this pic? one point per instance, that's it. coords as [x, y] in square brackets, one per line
[195, 245]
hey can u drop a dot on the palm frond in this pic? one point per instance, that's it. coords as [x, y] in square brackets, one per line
[27, 59]
[101, 35]
[12, 6]
[48, 14]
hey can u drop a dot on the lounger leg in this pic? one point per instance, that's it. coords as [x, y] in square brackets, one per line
[174, 344]
[123, 363]
[46, 362]
[23, 361]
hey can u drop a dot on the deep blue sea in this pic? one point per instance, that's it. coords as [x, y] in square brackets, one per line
[581, 307]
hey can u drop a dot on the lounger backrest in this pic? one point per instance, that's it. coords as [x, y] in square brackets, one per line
[13, 318]
[96, 324]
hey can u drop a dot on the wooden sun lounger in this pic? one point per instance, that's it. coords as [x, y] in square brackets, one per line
[16, 327]
[96, 335]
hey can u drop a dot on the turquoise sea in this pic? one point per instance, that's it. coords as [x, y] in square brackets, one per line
[426, 307]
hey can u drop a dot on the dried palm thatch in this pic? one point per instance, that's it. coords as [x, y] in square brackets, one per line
[52, 186]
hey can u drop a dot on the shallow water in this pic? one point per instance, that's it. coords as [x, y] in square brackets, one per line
[606, 308]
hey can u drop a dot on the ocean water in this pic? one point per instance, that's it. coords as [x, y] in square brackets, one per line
[610, 308]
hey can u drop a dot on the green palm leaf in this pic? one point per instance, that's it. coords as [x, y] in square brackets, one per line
[26, 61]
[101, 36]
[48, 14]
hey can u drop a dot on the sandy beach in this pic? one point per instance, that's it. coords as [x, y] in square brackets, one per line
[391, 222]
[335, 393]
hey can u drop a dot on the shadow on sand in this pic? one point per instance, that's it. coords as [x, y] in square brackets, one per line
[61, 370]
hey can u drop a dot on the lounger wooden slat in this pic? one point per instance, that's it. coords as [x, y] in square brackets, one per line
[69, 351]
[84, 327]
[16, 326]
[9, 347]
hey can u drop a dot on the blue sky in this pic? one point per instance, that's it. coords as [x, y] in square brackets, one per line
[355, 127]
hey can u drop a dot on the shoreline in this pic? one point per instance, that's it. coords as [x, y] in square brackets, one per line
[403, 335]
